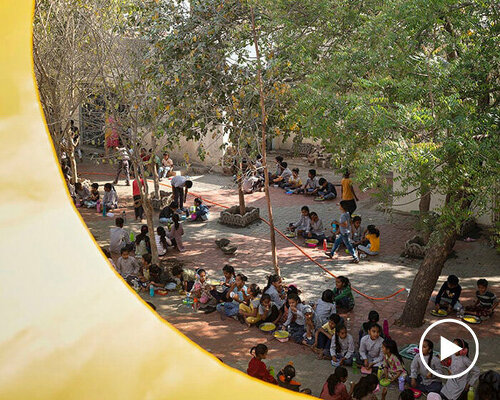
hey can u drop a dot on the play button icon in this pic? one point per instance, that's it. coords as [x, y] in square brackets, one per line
[448, 348]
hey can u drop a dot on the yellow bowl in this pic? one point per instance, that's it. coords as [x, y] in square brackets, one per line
[267, 327]
[385, 382]
[281, 334]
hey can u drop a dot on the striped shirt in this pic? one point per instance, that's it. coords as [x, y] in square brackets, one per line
[487, 299]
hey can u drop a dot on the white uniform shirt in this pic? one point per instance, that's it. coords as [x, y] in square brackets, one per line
[371, 350]
[346, 347]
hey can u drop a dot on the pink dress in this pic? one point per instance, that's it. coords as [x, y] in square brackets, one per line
[393, 366]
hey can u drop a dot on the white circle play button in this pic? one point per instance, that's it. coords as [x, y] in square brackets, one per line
[448, 348]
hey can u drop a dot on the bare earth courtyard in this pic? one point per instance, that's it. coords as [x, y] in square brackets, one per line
[377, 276]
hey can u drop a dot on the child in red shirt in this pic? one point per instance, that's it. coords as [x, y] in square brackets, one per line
[256, 366]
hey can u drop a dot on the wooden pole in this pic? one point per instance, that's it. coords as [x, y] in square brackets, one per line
[264, 150]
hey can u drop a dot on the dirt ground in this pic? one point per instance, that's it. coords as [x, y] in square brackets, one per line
[377, 276]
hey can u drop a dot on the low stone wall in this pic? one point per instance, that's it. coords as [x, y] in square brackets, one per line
[232, 217]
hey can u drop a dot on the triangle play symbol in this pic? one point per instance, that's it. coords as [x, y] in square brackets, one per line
[448, 348]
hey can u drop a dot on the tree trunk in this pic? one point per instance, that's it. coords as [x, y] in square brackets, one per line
[439, 248]
[241, 195]
[71, 156]
[148, 209]
[264, 152]
[440, 245]
[154, 170]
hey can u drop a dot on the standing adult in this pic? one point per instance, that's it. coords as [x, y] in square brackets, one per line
[348, 195]
[136, 193]
[123, 164]
[180, 187]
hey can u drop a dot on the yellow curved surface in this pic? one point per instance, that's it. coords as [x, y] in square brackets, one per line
[69, 328]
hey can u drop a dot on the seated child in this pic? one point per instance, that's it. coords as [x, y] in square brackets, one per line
[486, 301]
[372, 234]
[294, 182]
[310, 335]
[126, 265]
[448, 295]
[167, 213]
[393, 362]
[248, 311]
[142, 242]
[226, 282]
[268, 311]
[201, 210]
[274, 289]
[324, 336]
[326, 190]
[176, 232]
[285, 379]
[162, 241]
[235, 296]
[295, 322]
[356, 231]
[201, 290]
[456, 363]
[370, 348]
[279, 169]
[145, 269]
[285, 175]
[366, 387]
[93, 198]
[118, 237]
[311, 186]
[302, 225]
[324, 308]
[373, 318]
[160, 278]
[334, 387]
[315, 230]
[82, 193]
[110, 198]
[186, 277]
[251, 184]
[342, 293]
[342, 347]
[256, 366]
[420, 378]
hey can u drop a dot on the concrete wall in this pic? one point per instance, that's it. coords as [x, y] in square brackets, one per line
[287, 145]
[214, 153]
[410, 202]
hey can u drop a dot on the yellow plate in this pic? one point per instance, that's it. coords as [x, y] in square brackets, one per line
[471, 319]
[281, 334]
[439, 313]
[312, 241]
[267, 327]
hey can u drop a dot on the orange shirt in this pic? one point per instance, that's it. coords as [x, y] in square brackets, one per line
[347, 193]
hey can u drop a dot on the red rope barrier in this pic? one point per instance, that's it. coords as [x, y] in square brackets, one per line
[282, 235]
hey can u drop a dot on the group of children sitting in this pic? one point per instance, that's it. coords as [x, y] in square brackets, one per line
[91, 198]
[347, 230]
[379, 358]
[448, 299]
